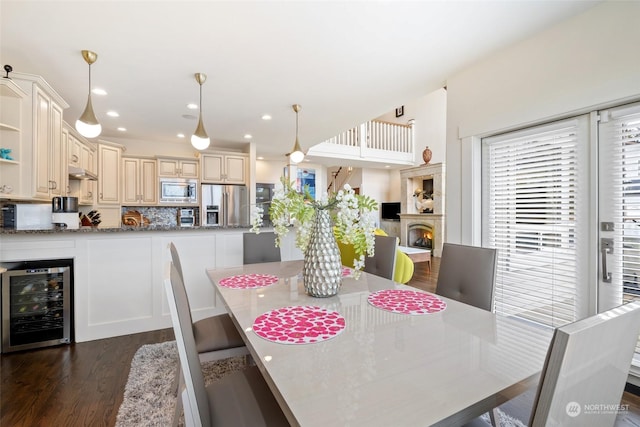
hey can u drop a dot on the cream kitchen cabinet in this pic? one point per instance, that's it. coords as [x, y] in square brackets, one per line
[12, 99]
[81, 154]
[177, 168]
[109, 162]
[224, 168]
[88, 162]
[140, 183]
[43, 155]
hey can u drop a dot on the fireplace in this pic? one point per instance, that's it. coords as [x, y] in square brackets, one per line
[420, 236]
[418, 228]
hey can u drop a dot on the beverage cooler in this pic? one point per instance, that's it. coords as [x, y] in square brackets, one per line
[36, 305]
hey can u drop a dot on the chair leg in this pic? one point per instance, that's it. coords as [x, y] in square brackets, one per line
[494, 416]
[179, 381]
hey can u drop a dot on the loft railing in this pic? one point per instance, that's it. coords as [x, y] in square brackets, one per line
[337, 176]
[375, 141]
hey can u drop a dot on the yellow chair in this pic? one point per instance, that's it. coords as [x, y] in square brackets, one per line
[404, 265]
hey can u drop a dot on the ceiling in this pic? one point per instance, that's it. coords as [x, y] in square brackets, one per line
[345, 62]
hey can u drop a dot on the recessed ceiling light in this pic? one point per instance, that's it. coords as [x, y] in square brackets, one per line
[266, 117]
[99, 91]
[113, 114]
[192, 106]
[247, 136]
[181, 135]
[189, 116]
[121, 129]
[260, 158]
[387, 166]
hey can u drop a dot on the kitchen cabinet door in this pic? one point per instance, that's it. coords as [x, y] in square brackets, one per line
[47, 128]
[235, 169]
[109, 174]
[140, 181]
[148, 182]
[75, 150]
[178, 168]
[224, 168]
[87, 187]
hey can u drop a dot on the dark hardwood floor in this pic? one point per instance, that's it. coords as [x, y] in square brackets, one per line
[82, 384]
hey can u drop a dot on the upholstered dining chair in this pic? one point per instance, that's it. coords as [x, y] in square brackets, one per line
[241, 398]
[467, 274]
[587, 364]
[213, 334]
[383, 262]
[216, 337]
[260, 247]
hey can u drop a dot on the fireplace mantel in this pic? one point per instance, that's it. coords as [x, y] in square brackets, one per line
[410, 180]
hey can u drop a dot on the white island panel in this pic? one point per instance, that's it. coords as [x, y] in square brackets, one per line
[121, 286]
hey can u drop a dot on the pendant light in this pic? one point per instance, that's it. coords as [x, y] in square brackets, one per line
[296, 155]
[87, 124]
[200, 140]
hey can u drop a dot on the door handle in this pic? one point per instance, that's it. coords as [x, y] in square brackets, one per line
[606, 247]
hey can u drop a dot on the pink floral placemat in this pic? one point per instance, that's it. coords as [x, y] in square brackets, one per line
[299, 325]
[248, 281]
[406, 301]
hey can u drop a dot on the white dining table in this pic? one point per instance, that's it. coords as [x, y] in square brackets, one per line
[385, 368]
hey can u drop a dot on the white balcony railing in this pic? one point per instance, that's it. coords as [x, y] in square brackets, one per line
[373, 141]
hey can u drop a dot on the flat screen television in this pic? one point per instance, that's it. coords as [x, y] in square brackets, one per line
[390, 211]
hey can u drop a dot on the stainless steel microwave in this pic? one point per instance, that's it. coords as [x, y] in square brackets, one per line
[176, 190]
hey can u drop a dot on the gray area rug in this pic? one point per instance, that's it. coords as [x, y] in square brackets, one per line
[148, 395]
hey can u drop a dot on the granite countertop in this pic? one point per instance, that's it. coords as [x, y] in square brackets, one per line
[119, 229]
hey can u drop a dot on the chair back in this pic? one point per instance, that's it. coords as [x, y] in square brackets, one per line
[467, 274]
[196, 408]
[175, 259]
[383, 262]
[260, 247]
[587, 364]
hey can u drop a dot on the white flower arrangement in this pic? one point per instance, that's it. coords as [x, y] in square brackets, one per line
[351, 213]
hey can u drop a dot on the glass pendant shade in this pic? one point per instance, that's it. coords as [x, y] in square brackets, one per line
[200, 140]
[296, 155]
[88, 124]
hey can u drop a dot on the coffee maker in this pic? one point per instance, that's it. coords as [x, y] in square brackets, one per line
[64, 212]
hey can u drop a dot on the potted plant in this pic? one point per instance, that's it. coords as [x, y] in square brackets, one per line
[345, 216]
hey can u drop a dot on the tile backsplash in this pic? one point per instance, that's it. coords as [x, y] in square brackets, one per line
[166, 216]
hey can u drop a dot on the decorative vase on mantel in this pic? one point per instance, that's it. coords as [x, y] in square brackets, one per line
[426, 155]
[322, 270]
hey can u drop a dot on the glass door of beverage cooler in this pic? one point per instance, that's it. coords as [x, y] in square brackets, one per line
[35, 308]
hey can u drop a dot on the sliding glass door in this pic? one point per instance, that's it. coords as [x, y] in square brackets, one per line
[619, 206]
[561, 203]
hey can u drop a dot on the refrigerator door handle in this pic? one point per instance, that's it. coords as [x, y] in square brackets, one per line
[225, 216]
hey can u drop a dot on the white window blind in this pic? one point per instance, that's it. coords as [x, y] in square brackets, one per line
[535, 187]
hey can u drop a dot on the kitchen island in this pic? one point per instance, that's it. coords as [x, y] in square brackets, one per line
[119, 272]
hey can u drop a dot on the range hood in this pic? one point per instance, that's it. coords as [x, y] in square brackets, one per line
[81, 173]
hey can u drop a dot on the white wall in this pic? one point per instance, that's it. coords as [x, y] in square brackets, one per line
[270, 171]
[586, 62]
[430, 114]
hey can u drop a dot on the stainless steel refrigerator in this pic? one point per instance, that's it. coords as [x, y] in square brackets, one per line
[264, 194]
[225, 205]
